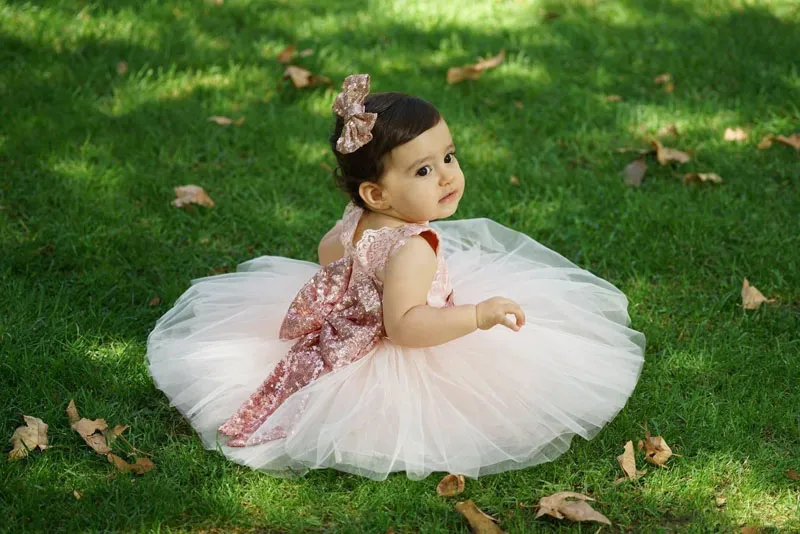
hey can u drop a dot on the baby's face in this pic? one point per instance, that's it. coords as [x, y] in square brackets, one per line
[422, 178]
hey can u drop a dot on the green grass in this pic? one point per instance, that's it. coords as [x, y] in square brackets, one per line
[88, 159]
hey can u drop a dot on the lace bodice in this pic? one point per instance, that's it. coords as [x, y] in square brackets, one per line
[373, 250]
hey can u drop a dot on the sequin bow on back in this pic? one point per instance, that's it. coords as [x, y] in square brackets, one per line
[349, 105]
[336, 319]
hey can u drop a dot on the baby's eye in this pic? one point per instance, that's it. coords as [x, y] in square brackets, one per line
[424, 171]
[449, 157]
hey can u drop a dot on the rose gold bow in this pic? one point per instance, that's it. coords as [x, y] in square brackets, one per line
[336, 318]
[349, 105]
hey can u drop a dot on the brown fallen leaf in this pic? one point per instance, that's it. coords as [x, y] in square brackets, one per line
[27, 438]
[191, 194]
[72, 412]
[513, 180]
[634, 172]
[122, 68]
[627, 461]
[142, 465]
[702, 178]
[751, 530]
[474, 71]
[303, 78]
[792, 474]
[665, 80]
[77, 494]
[765, 142]
[450, 485]
[518, 104]
[668, 155]
[752, 298]
[734, 134]
[721, 500]
[613, 98]
[656, 450]
[93, 433]
[668, 130]
[225, 121]
[792, 141]
[286, 54]
[155, 301]
[570, 505]
[479, 522]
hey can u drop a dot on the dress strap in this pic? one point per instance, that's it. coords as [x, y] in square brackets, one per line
[350, 218]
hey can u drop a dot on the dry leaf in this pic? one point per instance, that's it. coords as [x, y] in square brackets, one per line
[668, 155]
[734, 134]
[93, 433]
[793, 140]
[752, 298]
[513, 180]
[27, 438]
[225, 121]
[122, 68]
[792, 474]
[77, 494]
[721, 500]
[656, 450]
[701, 178]
[72, 412]
[286, 54]
[569, 505]
[627, 461]
[142, 465]
[215, 2]
[765, 142]
[191, 194]
[473, 72]
[665, 80]
[613, 98]
[155, 301]
[518, 104]
[303, 78]
[669, 129]
[751, 530]
[450, 485]
[634, 172]
[479, 522]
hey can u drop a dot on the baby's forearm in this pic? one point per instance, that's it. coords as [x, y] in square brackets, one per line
[426, 326]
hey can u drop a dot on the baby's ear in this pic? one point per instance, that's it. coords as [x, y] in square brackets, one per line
[373, 196]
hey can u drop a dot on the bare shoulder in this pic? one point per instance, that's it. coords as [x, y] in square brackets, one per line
[415, 253]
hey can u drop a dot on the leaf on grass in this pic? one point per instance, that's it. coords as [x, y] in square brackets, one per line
[634, 172]
[668, 155]
[225, 121]
[93, 433]
[670, 129]
[450, 485]
[155, 301]
[570, 505]
[518, 104]
[474, 71]
[751, 530]
[479, 522]
[306, 52]
[27, 438]
[286, 54]
[792, 474]
[191, 194]
[72, 412]
[613, 98]
[142, 465]
[627, 461]
[734, 134]
[77, 494]
[122, 68]
[656, 450]
[513, 180]
[721, 500]
[702, 178]
[765, 142]
[752, 298]
[303, 78]
[793, 140]
[665, 80]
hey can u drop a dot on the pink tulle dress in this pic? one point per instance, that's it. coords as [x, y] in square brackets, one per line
[284, 366]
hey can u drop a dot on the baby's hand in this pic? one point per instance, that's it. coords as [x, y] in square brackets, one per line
[494, 311]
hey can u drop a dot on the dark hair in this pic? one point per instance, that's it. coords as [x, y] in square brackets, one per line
[401, 118]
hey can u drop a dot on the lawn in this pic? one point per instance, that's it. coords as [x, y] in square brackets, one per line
[104, 111]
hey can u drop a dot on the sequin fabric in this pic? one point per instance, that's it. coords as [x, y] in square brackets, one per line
[349, 104]
[336, 318]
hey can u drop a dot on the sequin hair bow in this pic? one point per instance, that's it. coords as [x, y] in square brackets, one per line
[349, 105]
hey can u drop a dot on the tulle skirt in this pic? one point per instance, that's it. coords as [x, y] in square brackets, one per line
[488, 402]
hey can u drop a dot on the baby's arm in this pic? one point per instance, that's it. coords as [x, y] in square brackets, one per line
[408, 320]
[331, 248]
